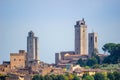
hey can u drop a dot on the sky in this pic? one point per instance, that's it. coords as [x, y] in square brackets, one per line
[53, 22]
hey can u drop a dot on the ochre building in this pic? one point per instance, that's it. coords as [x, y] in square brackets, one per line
[18, 60]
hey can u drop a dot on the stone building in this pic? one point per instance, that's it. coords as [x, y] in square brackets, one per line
[32, 47]
[61, 56]
[18, 60]
[80, 46]
[81, 50]
[92, 43]
[57, 58]
[58, 71]
[68, 57]
[80, 37]
[4, 68]
[63, 53]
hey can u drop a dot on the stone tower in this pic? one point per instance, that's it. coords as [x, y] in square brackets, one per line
[32, 47]
[57, 58]
[80, 37]
[92, 43]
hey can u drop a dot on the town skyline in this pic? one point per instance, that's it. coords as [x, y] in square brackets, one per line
[55, 31]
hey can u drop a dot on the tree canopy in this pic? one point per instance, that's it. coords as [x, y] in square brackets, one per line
[37, 77]
[99, 76]
[114, 51]
[108, 47]
[86, 76]
[111, 76]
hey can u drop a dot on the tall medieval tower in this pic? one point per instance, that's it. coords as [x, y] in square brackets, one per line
[32, 47]
[92, 43]
[81, 37]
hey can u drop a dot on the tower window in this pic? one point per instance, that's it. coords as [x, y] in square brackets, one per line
[95, 39]
[14, 59]
[19, 59]
[91, 39]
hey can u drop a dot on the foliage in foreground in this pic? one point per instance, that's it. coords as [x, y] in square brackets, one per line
[56, 77]
[86, 76]
[2, 77]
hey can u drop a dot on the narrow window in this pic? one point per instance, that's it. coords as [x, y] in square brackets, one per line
[19, 59]
[95, 39]
[91, 39]
[14, 59]
[83, 30]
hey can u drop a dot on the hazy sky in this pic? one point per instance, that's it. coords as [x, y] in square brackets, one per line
[53, 22]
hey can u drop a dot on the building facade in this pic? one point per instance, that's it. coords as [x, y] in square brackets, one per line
[57, 58]
[80, 37]
[92, 43]
[61, 56]
[32, 47]
[18, 60]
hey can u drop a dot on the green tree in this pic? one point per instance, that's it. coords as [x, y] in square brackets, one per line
[108, 47]
[37, 77]
[2, 77]
[60, 77]
[111, 76]
[99, 76]
[114, 51]
[81, 62]
[98, 59]
[88, 77]
[70, 76]
[84, 75]
[96, 66]
[91, 62]
[76, 78]
[107, 60]
[66, 78]
[117, 75]
[47, 77]
[53, 77]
